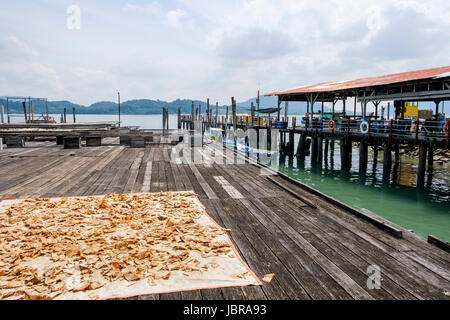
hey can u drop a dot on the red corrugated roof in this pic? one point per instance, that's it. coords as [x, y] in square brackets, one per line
[367, 82]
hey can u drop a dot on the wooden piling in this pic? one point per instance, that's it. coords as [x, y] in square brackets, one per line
[74, 117]
[387, 160]
[301, 145]
[65, 115]
[179, 118]
[363, 155]
[319, 150]
[217, 110]
[430, 157]
[314, 150]
[192, 116]
[291, 143]
[233, 110]
[422, 164]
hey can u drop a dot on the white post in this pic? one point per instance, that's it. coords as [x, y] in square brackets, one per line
[2, 111]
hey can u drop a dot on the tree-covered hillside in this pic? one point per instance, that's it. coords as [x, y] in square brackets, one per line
[143, 106]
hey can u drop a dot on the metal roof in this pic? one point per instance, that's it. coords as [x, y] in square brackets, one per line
[369, 82]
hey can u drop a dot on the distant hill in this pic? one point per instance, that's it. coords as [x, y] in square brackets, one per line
[143, 106]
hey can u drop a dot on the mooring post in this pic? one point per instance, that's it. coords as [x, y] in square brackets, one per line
[363, 152]
[387, 160]
[179, 118]
[2, 114]
[65, 115]
[73, 112]
[422, 164]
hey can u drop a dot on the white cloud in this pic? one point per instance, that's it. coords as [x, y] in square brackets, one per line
[211, 48]
[174, 17]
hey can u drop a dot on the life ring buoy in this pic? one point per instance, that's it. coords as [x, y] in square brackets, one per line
[364, 127]
[331, 125]
[447, 129]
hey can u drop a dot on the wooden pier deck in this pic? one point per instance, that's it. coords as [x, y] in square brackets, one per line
[320, 253]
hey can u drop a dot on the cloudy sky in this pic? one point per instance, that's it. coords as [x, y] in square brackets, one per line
[196, 49]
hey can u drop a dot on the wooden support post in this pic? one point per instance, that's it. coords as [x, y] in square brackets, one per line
[217, 110]
[301, 145]
[72, 142]
[346, 150]
[65, 115]
[314, 149]
[285, 111]
[226, 119]
[208, 115]
[179, 118]
[375, 150]
[233, 110]
[291, 143]
[59, 140]
[319, 150]
[388, 116]
[397, 152]
[430, 157]
[192, 116]
[24, 104]
[74, 117]
[343, 105]
[93, 141]
[437, 109]
[325, 153]
[422, 164]
[252, 112]
[363, 154]
[387, 160]
[278, 105]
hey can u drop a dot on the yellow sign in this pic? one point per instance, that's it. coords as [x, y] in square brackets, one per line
[411, 109]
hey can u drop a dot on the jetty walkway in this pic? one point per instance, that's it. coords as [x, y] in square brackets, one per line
[315, 248]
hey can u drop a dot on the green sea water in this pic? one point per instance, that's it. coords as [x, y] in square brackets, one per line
[425, 211]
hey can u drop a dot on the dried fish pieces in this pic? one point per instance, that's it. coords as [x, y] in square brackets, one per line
[89, 242]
